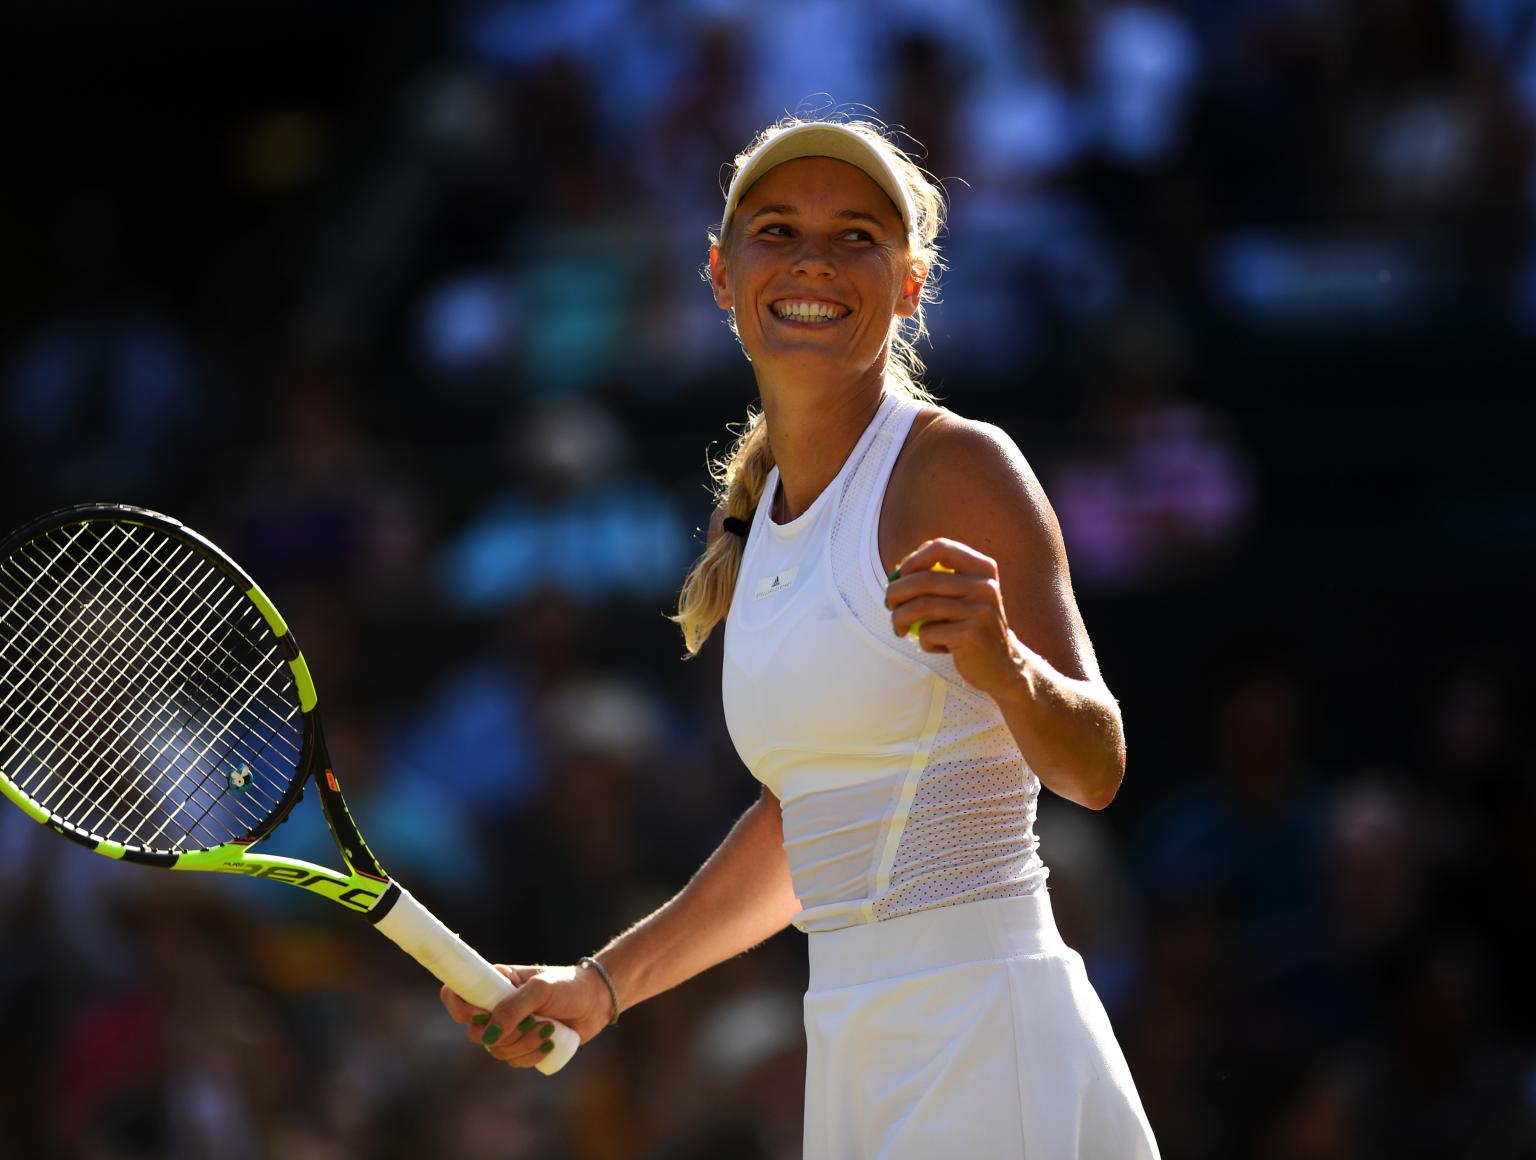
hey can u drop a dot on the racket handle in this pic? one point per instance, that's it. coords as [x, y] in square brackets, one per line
[419, 932]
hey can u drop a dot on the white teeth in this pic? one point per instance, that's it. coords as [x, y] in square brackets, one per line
[808, 311]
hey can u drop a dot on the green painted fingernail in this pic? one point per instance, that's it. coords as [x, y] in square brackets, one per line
[526, 1025]
[895, 575]
[490, 1035]
[546, 1048]
[546, 1031]
[480, 1020]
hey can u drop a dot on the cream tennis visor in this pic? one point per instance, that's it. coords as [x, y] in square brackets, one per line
[821, 139]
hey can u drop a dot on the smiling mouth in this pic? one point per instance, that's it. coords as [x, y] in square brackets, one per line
[807, 310]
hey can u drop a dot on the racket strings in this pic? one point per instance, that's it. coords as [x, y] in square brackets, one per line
[91, 650]
[125, 735]
[95, 708]
[72, 649]
[115, 678]
[115, 683]
[136, 635]
[171, 619]
[136, 678]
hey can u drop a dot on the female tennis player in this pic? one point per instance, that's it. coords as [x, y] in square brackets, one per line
[904, 667]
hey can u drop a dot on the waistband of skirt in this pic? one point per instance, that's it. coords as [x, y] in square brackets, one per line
[946, 936]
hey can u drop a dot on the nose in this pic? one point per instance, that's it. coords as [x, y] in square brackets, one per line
[814, 260]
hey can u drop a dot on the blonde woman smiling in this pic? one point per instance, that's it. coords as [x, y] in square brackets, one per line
[904, 667]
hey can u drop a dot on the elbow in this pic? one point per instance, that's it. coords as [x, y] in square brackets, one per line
[1100, 789]
[1100, 798]
[1093, 789]
[1086, 766]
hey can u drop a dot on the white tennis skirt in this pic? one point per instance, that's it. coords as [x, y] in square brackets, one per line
[967, 1031]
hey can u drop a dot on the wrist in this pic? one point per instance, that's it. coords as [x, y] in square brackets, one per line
[1022, 685]
[592, 966]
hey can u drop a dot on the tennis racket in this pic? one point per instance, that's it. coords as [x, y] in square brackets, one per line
[155, 708]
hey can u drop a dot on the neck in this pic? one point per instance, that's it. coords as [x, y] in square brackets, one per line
[812, 429]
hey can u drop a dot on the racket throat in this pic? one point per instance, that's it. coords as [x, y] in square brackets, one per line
[349, 839]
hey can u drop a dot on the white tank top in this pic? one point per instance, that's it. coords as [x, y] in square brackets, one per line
[900, 785]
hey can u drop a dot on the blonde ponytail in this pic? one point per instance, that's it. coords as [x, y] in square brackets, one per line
[739, 478]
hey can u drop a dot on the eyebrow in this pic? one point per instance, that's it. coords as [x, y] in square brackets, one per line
[783, 208]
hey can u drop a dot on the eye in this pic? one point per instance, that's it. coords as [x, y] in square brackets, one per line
[776, 230]
[858, 236]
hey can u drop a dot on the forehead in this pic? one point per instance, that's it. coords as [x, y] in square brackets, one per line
[819, 183]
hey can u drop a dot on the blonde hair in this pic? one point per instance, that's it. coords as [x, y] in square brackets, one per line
[740, 475]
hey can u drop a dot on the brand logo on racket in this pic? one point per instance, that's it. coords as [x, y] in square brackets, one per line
[357, 897]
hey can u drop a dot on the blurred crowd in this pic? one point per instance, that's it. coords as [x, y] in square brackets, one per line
[401, 305]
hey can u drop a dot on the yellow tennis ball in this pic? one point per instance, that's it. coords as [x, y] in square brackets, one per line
[918, 624]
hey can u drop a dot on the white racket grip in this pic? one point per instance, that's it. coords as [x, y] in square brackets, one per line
[419, 932]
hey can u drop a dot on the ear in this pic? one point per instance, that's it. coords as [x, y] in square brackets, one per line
[912, 291]
[719, 282]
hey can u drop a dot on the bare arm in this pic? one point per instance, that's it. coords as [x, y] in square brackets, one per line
[738, 898]
[962, 496]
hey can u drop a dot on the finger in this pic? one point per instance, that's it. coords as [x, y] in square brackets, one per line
[463, 1011]
[517, 976]
[924, 609]
[930, 583]
[951, 554]
[527, 1046]
[943, 636]
[460, 1009]
[515, 1017]
[496, 1029]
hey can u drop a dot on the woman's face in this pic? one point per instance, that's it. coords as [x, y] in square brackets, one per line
[815, 267]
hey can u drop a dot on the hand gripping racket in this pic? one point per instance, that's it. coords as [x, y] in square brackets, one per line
[155, 708]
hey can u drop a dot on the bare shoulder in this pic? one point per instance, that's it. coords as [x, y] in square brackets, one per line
[963, 480]
[969, 481]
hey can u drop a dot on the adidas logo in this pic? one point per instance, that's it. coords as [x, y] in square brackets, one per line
[778, 582]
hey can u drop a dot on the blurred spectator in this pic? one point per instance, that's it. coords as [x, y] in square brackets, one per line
[1248, 835]
[1379, 877]
[752, 1048]
[1415, 143]
[468, 326]
[325, 504]
[605, 739]
[1471, 740]
[110, 402]
[1443, 1078]
[1156, 485]
[1147, 62]
[580, 284]
[578, 519]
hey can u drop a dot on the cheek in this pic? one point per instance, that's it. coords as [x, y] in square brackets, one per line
[890, 271]
[740, 278]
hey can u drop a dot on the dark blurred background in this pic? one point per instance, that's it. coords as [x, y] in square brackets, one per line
[400, 304]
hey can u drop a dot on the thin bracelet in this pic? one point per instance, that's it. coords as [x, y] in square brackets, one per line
[613, 992]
